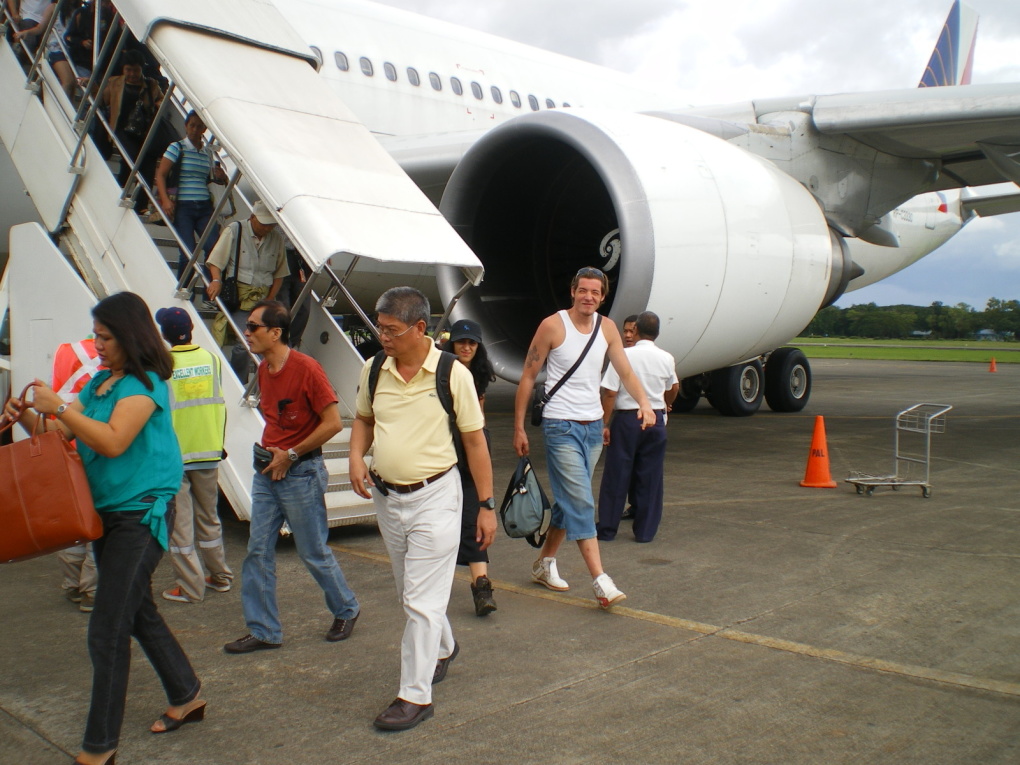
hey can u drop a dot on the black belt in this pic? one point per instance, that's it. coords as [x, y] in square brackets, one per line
[316, 452]
[402, 488]
[657, 411]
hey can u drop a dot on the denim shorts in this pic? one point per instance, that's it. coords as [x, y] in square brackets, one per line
[572, 449]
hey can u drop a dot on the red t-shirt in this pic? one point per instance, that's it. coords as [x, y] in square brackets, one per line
[292, 399]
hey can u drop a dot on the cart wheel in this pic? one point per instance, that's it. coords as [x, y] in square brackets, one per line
[860, 489]
[926, 491]
[870, 490]
[895, 487]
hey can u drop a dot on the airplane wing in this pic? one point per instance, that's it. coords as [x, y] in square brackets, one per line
[997, 200]
[973, 130]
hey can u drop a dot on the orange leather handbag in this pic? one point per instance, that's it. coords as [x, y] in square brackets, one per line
[45, 500]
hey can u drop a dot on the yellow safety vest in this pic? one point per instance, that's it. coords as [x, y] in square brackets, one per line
[196, 402]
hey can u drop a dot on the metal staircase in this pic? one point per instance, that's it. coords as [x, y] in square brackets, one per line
[256, 95]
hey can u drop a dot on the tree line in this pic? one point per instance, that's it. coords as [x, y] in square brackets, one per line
[957, 322]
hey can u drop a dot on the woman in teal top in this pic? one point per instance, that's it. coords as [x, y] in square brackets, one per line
[121, 421]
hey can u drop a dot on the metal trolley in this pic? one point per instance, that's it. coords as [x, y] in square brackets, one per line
[920, 419]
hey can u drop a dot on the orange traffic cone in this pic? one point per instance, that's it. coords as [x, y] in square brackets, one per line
[817, 475]
[991, 367]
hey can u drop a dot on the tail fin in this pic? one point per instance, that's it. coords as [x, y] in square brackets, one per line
[953, 58]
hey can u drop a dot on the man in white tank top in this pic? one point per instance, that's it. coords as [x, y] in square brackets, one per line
[572, 424]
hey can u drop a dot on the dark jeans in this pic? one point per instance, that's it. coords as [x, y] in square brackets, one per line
[126, 556]
[147, 167]
[190, 220]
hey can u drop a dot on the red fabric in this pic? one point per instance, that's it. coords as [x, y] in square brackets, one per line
[304, 383]
[66, 363]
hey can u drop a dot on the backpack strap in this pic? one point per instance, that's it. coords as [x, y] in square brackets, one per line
[373, 373]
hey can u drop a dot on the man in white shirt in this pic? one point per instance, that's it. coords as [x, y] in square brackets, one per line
[634, 459]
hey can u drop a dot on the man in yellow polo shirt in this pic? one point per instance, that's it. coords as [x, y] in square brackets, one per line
[418, 489]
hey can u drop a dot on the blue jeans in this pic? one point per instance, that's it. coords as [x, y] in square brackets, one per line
[190, 220]
[126, 555]
[571, 451]
[298, 499]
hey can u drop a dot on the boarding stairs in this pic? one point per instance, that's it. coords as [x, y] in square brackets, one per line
[339, 198]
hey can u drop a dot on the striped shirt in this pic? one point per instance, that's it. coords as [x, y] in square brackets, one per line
[196, 168]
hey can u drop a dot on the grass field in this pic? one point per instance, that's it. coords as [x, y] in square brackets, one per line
[908, 350]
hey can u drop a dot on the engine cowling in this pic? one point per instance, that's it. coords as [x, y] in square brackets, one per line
[734, 255]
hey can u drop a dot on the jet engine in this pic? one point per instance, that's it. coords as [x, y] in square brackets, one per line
[732, 254]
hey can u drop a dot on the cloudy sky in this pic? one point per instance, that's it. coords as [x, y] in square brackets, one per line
[719, 51]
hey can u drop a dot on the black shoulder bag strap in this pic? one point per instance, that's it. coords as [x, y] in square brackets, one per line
[591, 341]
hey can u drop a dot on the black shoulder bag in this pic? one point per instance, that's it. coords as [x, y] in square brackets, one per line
[539, 399]
[229, 293]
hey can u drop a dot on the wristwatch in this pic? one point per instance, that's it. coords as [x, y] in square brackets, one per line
[489, 503]
[60, 410]
[292, 455]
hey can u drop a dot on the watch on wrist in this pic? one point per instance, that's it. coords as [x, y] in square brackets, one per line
[490, 503]
[60, 410]
[292, 455]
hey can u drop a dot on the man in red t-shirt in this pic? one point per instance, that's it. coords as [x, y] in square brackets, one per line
[301, 414]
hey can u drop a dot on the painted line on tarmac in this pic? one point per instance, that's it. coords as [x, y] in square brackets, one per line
[788, 646]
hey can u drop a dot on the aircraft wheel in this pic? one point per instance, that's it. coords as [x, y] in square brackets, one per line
[737, 391]
[688, 397]
[787, 380]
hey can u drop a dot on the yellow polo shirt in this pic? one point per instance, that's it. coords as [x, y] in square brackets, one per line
[412, 432]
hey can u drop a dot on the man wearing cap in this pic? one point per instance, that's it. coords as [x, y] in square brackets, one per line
[199, 415]
[260, 251]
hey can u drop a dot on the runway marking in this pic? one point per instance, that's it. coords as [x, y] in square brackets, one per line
[727, 633]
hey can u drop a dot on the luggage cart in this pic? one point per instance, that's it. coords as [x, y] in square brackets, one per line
[920, 419]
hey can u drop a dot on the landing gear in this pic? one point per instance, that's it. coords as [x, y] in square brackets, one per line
[689, 395]
[787, 380]
[737, 391]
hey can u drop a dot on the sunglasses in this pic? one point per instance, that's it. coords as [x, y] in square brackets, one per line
[592, 273]
[253, 326]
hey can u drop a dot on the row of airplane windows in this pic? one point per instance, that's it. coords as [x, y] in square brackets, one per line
[390, 71]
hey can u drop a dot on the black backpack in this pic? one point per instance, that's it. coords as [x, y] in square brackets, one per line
[443, 371]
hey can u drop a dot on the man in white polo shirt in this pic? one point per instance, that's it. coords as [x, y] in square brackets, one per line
[635, 457]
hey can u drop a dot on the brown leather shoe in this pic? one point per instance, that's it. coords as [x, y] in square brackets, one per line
[444, 664]
[403, 715]
[342, 628]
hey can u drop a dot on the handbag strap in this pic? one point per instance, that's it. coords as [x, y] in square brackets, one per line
[237, 247]
[7, 422]
[591, 342]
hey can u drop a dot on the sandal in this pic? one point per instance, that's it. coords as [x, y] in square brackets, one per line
[197, 714]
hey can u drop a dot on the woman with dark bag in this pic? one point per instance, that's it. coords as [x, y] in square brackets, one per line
[125, 436]
[466, 344]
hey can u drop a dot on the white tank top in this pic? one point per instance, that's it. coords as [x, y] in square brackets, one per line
[578, 399]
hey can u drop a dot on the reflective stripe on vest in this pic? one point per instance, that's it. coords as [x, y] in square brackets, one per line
[197, 404]
[78, 370]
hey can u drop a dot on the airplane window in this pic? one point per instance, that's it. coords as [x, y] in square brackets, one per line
[412, 76]
[549, 103]
[341, 61]
[366, 67]
[533, 102]
[437, 84]
[457, 87]
[515, 98]
[317, 53]
[476, 90]
[391, 71]
[497, 95]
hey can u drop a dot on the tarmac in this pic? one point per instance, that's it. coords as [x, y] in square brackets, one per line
[766, 623]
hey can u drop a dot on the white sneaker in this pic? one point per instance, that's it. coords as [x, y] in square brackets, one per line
[606, 592]
[544, 572]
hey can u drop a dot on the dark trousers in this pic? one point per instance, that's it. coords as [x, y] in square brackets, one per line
[126, 556]
[190, 220]
[633, 455]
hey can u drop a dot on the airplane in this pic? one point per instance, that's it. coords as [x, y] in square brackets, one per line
[735, 223]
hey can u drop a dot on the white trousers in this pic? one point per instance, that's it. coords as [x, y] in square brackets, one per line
[422, 534]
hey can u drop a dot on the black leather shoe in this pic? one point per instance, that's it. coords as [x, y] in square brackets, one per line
[249, 643]
[444, 664]
[628, 514]
[481, 591]
[403, 715]
[342, 628]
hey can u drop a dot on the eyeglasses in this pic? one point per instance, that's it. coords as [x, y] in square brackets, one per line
[392, 335]
[253, 326]
[590, 273]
